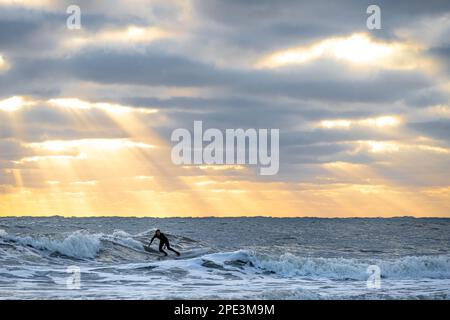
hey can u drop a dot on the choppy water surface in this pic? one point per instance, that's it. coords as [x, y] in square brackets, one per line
[231, 258]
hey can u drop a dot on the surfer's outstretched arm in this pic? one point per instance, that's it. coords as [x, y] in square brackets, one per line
[152, 240]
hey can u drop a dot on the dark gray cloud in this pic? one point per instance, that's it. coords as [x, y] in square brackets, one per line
[27, 33]
[12, 149]
[319, 81]
[41, 122]
[428, 96]
[439, 129]
[267, 24]
[443, 55]
[290, 98]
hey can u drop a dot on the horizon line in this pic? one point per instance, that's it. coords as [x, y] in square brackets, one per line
[220, 217]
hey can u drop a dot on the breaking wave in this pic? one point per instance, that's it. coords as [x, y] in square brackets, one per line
[75, 245]
[123, 247]
[288, 265]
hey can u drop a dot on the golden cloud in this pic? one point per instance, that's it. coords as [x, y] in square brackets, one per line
[357, 49]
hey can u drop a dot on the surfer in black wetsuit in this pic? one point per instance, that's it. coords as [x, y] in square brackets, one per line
[163, 241]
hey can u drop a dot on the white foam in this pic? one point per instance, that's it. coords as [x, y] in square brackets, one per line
[290, 266]
[431, 267]
[77, 244]
[84, 245]
[125, 239]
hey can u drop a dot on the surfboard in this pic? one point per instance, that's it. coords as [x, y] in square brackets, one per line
[151, 250]
[171, 256]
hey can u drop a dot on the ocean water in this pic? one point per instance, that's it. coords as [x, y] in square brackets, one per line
[225, 258]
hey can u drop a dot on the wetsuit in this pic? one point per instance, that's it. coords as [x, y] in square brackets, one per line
[163, 241]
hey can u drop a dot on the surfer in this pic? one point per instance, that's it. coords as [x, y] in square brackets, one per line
[163, 241]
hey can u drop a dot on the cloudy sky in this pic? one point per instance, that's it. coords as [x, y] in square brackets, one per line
[86, 115]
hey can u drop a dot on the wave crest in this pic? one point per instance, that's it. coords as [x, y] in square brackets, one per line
[76, 245]
[289, 265]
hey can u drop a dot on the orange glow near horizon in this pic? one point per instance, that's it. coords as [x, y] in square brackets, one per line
[357, 121]
[132, 175]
